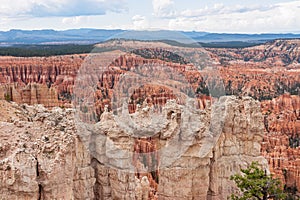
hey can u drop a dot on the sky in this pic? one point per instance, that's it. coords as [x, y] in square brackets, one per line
[227, 16]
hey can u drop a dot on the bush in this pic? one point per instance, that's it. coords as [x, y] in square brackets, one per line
[254, 183]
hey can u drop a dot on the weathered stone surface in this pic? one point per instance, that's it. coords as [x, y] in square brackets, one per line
[237, 145]
[41, 156]
[225, 138]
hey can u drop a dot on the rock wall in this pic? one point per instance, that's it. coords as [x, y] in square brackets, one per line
[199, 168]
[236, 146]
[42, 157]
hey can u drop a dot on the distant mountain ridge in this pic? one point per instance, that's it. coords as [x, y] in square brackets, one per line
[91, 36]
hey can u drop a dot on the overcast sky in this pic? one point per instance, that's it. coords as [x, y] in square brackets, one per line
[235, 16]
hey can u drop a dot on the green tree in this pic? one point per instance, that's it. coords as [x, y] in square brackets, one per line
[255, 184]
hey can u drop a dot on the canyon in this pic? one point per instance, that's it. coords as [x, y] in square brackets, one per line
[268, 73]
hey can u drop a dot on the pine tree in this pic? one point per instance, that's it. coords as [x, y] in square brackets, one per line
[256, 184]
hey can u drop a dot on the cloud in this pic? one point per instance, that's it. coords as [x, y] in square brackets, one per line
[163, 8]
[59, 8]
[140, 22]
[62, 14]
[282, 17]
[218, 9]
[75, 20]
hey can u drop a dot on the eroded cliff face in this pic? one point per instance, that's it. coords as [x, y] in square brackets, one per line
[281, 144]
[207, 177]
[262, 72]
[43, 158]
[261, 84]
[50, 81]
[269, 73]
[275, 53]
[39, 80]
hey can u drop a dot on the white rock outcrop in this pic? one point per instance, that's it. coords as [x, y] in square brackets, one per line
[191, 157]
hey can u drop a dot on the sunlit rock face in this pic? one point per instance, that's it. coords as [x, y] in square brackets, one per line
[43, 157]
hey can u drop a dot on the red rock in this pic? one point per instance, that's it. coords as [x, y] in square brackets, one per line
[267, 72]
[282, 123]
[43, 80]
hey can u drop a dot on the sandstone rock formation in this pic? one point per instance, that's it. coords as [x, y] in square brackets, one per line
[269, 73]
[261, 84]
[274, 53]
[42, 158]
[231, 151]
[50, 80]
[43, 80]
[199, 168]
[281, 144]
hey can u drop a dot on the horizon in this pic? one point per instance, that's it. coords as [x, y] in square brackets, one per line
[215, 16]
[93, 36]
[157, 30]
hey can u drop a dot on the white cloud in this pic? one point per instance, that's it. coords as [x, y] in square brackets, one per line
[163, 8]
[281, 17]
[52, 8]
[75, 20]
[164, 14]
[140, 22]
[218, 9]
